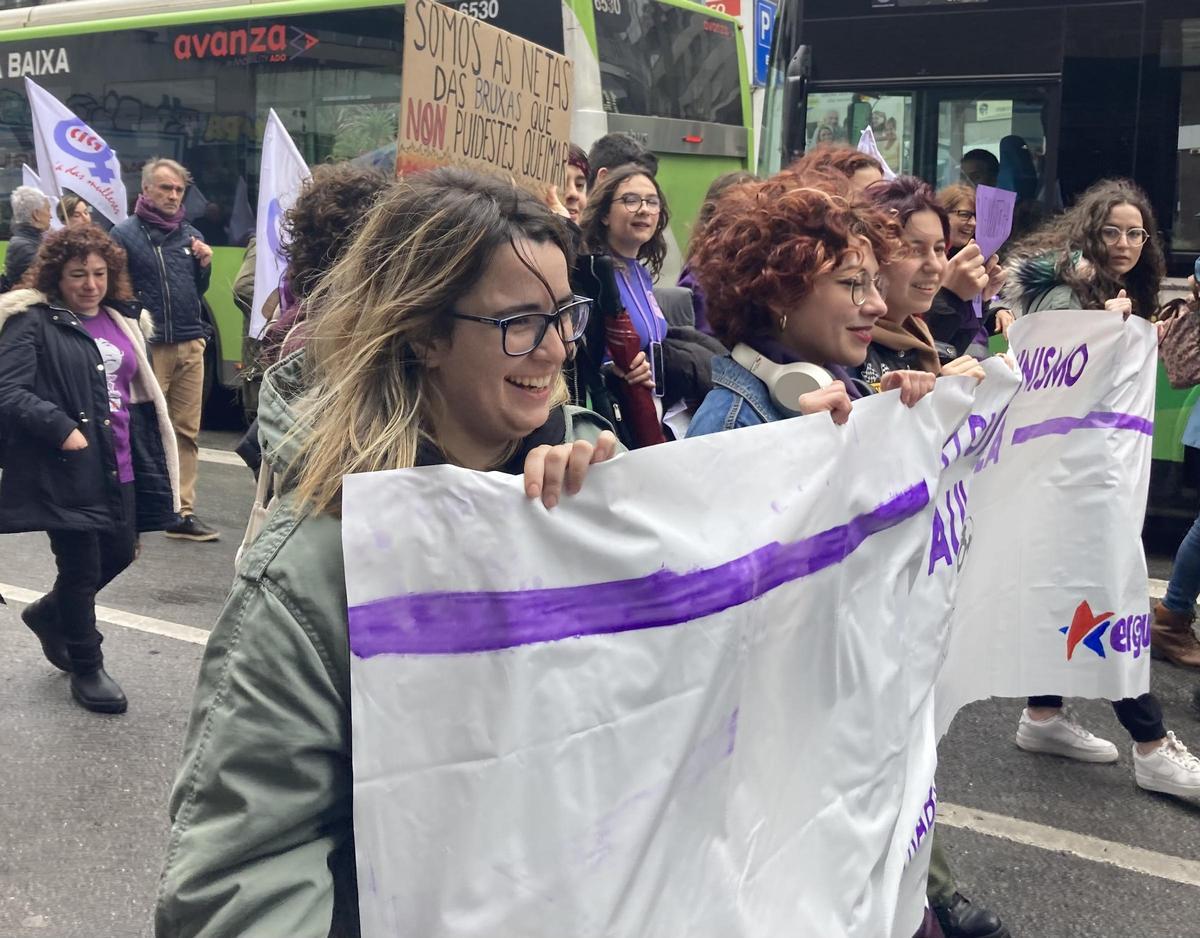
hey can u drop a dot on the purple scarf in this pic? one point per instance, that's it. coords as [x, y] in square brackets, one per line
[149, 213]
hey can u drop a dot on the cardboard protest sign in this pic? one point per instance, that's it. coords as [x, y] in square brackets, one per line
[479, 97]
[993, 224]
[1051, 597]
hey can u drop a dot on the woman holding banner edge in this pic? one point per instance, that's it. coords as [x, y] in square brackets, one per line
[1104, 253]
[440, 336]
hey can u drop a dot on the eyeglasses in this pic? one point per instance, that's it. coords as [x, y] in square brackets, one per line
[521, 334]
[1111, 234]
[963, 214]
[858, 287]
[633, 203]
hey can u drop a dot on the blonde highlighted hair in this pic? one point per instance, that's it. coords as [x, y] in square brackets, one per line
[425, 244]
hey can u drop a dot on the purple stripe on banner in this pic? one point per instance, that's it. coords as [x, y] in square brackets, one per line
[459, 623]
[1096, 420]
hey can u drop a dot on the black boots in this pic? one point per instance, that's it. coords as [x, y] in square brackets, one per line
[98, 692]
[43, 623]
[960, 919]
[90, 684]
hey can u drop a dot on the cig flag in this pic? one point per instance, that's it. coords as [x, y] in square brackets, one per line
[867, 145]
[70, 155]
[31, 179]
[280, 179]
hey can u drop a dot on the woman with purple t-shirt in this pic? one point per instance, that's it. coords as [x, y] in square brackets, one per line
[87, 447]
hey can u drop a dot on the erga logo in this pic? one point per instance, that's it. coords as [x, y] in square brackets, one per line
[1128, 635]
[275, 43]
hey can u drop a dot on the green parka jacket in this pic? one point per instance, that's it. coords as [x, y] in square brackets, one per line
[262, 842]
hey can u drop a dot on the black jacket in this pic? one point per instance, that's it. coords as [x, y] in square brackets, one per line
[22, 249]
[166, 276]
[52, 381]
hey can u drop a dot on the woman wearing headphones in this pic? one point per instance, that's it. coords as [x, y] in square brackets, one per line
[790, 268]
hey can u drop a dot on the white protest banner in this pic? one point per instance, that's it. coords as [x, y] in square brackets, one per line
[281, 176]
[868, 145]
[680, 705]
[31, 179]
[640, 715]
[480, 97]
[1051, 597]
[70, 155]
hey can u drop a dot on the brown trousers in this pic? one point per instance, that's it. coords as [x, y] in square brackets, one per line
[179, 368]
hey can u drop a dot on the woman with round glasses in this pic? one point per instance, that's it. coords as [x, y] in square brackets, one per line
[1102, 254]
[438, 337]
[790, 267]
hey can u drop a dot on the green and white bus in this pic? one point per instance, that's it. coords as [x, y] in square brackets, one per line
[193, 80]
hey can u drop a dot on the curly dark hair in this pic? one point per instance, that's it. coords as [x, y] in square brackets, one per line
[600, 203]
[1077, 233]
[325, 218]
[78, 243]
[770, 240]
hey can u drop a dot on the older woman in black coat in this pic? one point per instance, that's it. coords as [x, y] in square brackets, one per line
[87, 447]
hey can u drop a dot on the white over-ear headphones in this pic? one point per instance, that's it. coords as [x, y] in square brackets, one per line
[785, 382]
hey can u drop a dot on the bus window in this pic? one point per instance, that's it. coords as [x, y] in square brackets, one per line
[652, 55]
[841, 117]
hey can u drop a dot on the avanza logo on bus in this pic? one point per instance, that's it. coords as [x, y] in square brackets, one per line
[275, 43]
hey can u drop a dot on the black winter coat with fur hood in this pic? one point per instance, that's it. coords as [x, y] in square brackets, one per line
[53, 381]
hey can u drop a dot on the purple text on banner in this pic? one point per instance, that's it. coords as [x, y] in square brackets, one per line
[465, 622]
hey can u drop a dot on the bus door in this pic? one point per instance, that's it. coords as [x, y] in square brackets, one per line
[995, 133]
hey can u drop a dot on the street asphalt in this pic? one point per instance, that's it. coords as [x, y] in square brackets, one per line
[83, 820]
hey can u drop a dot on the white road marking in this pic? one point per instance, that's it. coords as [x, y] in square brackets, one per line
[221, 456]
[1084, 846]
[130, 620]
[1027, 833]
[1158, 588]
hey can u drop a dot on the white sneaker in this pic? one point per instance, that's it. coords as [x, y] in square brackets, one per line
[1170, 769]
[1061, 735]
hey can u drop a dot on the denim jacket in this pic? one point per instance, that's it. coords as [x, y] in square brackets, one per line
[738, 399]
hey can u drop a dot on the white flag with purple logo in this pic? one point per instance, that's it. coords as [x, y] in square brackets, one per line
[31, 179]
[868, 145]
[1051, 597]
[280, 179]
[70, 155]
[677, 704]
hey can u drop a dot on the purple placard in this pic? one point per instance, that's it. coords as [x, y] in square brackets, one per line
[993, 225]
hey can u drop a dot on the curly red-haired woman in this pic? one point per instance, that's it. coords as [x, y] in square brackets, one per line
[790, 268]
[88, 449]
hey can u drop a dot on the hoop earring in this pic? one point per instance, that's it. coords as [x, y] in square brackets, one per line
[783, 322]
